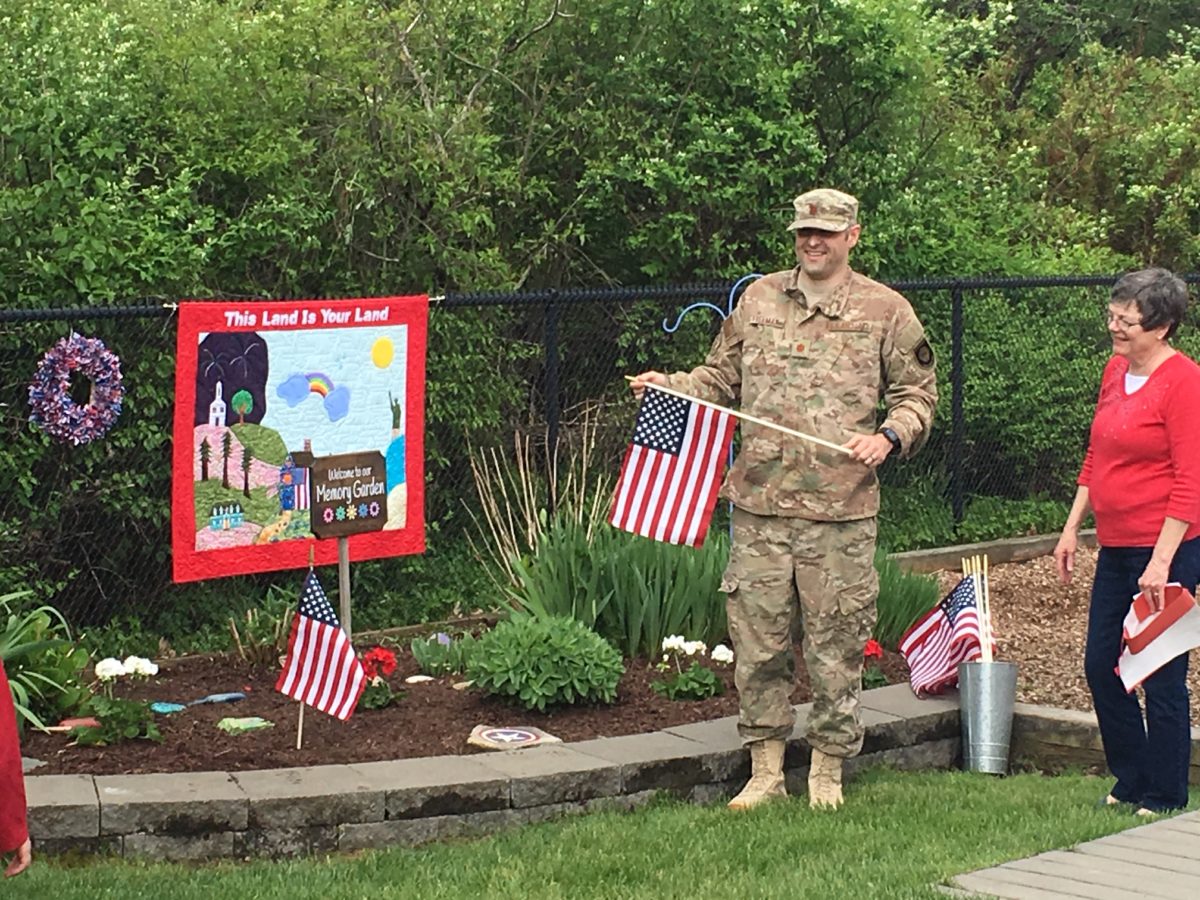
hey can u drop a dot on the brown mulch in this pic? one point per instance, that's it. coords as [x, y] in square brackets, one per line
[431, 719]
[1039, 624]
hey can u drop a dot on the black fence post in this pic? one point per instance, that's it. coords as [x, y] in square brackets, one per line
[957, 423]
[553, 400]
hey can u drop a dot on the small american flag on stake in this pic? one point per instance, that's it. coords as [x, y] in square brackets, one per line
[321, 669]
[942, 638]
[672, 469]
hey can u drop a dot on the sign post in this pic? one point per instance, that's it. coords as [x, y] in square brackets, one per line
[349, 496]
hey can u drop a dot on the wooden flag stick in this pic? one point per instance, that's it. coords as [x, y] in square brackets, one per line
[300, 717]
[987, 613]
[747, 417]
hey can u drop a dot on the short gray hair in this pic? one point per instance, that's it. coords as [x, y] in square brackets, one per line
[1161, 297]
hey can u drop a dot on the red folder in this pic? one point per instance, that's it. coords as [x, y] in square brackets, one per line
[1143, 623]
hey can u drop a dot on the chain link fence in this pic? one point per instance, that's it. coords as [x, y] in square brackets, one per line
[88, 528]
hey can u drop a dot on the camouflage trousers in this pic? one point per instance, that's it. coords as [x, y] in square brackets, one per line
[820, 575]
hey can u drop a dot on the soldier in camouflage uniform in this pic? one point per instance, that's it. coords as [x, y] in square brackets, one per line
[814, 349]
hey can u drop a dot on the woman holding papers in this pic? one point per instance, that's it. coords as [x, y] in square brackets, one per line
[14, 836]
[1141, 480]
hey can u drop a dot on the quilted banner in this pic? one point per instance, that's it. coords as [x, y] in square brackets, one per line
[295, 419]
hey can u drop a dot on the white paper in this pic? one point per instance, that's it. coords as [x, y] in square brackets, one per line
[1134, 668]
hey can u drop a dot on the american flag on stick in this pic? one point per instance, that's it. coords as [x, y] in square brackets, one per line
[942, 638]
[672, 469]
[321, 668]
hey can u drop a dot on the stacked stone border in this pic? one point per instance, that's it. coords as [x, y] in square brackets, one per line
[279, 813]
[321, 809]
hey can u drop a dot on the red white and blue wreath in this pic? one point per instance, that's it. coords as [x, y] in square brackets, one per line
[49, 395]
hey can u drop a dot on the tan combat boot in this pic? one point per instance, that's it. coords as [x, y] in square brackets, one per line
[766, 775]
[825, 780]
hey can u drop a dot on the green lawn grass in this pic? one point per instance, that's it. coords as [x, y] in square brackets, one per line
[898, 836]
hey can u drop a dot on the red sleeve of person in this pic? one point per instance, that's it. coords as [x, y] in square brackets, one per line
[13, 831]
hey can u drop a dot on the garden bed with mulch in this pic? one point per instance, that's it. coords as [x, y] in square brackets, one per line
[431, 719]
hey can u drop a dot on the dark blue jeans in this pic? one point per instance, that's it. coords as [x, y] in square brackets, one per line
[1149, 756]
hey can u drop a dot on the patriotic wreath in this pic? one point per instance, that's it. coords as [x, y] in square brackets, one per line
[49, 395]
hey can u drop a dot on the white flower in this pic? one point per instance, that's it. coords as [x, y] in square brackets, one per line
[138, 665]
[108, 669]
[691, 648]
[673, 642]
[722, 654]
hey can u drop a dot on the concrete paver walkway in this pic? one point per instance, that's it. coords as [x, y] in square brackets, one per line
[1158, 860]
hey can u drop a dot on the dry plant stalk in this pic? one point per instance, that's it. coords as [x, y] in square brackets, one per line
[514, 496]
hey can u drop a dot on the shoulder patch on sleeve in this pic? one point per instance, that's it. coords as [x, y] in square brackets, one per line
[923, 353]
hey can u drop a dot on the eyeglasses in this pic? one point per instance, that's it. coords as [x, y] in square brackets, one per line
[1112, 318]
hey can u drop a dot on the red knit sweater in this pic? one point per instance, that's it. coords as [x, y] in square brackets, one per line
[1143, 456]
[12, 783]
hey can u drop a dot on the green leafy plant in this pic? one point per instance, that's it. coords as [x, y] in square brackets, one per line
[378, 663]
[378, 694]
[696, 682]
[873, 676]
[693, 683]
[42, 663]
[903, 597]
[263, 635]
[442, 654]
[632, 590]
[661, 589]
[120, 720]
[544, 662]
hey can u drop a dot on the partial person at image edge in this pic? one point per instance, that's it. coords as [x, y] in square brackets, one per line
[1141, 480]
[14, 835]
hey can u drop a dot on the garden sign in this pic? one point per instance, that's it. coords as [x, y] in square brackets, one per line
[297, 420]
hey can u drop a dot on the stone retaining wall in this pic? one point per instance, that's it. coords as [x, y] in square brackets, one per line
[1054, 740]
[293, 812]
[279, 813]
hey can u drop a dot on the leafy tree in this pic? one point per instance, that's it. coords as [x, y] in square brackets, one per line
[242, 403]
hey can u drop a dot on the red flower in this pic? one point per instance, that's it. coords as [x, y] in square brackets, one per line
[873, 650]
[379, 660]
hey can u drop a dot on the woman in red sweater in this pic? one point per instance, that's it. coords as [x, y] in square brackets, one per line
[14, 836]
[1141, 480]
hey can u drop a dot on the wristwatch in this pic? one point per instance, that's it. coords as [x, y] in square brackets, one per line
[893, 439]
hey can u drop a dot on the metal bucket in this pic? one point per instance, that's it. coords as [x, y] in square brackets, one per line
[987, 691]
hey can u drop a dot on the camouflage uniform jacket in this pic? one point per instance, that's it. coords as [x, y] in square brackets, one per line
[820, 368]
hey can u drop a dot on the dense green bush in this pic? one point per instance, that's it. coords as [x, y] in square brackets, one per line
[444, 146]
[546, 662]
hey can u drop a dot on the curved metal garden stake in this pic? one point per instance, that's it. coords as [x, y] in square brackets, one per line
[724, 314]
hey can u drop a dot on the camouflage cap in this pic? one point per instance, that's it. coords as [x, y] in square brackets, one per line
[826, 209]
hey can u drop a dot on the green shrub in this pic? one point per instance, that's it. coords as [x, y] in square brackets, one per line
[569, 575]
[991, 518]
[904, 597]
[442, 654]
[42, 663]
[661, 589]
[632, 590]
[544, 662]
